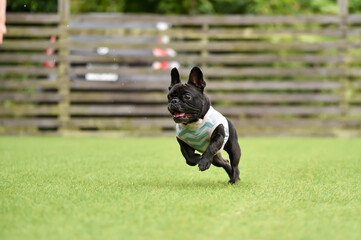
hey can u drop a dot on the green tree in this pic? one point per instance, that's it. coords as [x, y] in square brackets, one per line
[78, 6]
[268, 7]
[32, 5]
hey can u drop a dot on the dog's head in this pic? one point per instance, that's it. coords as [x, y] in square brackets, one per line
[186, 101]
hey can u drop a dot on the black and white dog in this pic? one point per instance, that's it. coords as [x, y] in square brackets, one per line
[200, 127]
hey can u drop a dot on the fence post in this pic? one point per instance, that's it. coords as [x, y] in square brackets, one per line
[63, 65]
[204, 53]
[343, 52]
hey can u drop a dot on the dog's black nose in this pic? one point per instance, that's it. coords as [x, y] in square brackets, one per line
[174, 101]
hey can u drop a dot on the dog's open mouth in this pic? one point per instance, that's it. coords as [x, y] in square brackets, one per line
[180, 116]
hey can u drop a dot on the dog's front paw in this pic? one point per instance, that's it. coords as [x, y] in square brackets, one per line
[204, 164]
[234, 180]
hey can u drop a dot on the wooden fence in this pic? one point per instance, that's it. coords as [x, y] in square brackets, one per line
[272, 75]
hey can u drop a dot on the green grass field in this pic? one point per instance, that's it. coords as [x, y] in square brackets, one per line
[141, 188]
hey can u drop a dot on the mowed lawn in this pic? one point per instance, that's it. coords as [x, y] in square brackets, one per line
[141, 188]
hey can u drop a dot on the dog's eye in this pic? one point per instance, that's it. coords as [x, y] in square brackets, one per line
[187, 96]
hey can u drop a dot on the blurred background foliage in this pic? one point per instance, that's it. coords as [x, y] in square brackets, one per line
[265, 7]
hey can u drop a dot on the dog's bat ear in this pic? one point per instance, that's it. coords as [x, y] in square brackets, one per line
[175, 77]
[196, 78]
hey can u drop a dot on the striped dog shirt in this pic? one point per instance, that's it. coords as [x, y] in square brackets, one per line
[198, 134]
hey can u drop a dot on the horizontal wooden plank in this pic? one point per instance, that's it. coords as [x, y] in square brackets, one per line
[216, 46]
[120, 85]
[279, 98]
[230, 58]
[28, 44]
[183, 46]
[27, 70]
[357, 84]
[15, 31]
[271, 71]
[160, 97]
[354, 72]
[355, 110]
[29, 122]
[206, 19]
[77, 58]
[273, 85]
[124, 123]
[353, 123]
[167, 122]
[28, 57]
[287, 123]
[163, 85]
[30, 97]
[153, 110]
[219, 33]
[244, 126]
[224, 72]
[354, 31]
[210, 72]
[31, 18]
[211, 85]
[28, 110]
[212, 33]
[279, 110]
[353, 19]
[209, 59]
[28, 84]
[183, 59]
[268, 58]
[124, 97]
[120, 110]
[356, 98]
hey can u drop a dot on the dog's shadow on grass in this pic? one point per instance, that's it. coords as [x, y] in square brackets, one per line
[191, 185]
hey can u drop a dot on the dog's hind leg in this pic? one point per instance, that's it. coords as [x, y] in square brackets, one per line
[219, 161]
[235, 156]
[234, 151]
